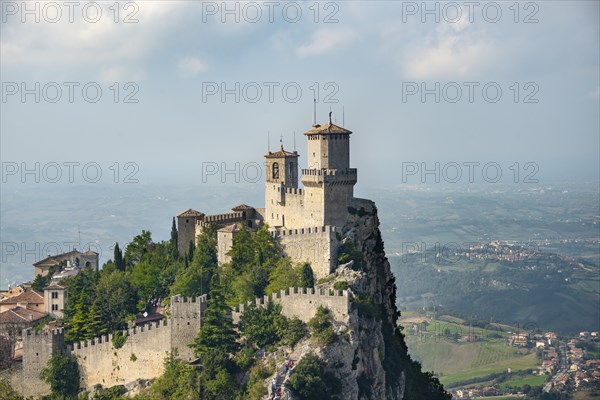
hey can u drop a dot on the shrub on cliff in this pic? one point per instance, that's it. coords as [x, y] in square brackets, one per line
[321, 326]
[310, 380]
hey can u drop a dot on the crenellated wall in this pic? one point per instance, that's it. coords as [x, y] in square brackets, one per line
[303, 303]
[144, 352]
[142, 356]
[317, 246]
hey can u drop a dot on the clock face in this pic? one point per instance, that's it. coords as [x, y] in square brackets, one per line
[275, 171]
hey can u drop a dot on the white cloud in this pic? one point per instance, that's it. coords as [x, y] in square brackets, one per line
[325, 40]
[191, 66]
[66, 46]
[453, 51]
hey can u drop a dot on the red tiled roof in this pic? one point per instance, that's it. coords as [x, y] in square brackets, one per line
[327, 129]
[20, 315]
[29, 296]
[191, 213]
[242, 207]
[282, 153]
[230, 228]
[57, 259]
[54, 287]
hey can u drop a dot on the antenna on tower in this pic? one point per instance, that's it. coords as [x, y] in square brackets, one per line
[315, 111]
[294, 140]
[79, 233]
[269, 141]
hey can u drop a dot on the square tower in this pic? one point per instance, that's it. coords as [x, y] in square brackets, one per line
[186, 229]
[281, 182]
[329, 181]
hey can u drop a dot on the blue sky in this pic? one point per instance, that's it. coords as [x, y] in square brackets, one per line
[365, 56]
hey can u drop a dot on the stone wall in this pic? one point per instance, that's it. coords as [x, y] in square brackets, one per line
[304, 302]
[142, 356]
[317, 246]
[144, 352]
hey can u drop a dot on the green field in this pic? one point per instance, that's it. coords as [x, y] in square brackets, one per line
[454, 361]
[531, 380]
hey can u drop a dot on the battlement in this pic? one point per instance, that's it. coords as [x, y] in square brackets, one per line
[303, 303]
[329, 172]
[224, 218]
[303, 231]
[340, 176]
[291, 191]
[133, 334]
[29, 333]
[184, 299]
[187, 307]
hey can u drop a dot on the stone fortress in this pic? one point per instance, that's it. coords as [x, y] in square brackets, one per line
[307, 223]
[303, 220]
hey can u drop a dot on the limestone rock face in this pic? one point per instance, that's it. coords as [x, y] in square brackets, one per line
[358, 356]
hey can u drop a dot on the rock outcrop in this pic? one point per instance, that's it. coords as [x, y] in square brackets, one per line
[370, 356]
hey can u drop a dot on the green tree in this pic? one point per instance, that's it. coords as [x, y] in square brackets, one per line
[194, 279]
[321, 326]
[262, 326]
[191, 249]
[242, 251]
[311, 380]
[95, 324]
[295, 331]
[223, 386]
[7, 392]
[307, 277]
[118, 258]
[217, 331]
[39, 283]
[62, 374]
[178, 382]
[116, 298]
[138, 247]
[76, 326]
[174, 240]
[283, 276]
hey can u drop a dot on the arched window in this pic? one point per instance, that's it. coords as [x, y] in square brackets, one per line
[275, 171]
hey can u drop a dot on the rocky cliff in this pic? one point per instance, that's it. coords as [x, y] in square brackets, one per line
[370, 356]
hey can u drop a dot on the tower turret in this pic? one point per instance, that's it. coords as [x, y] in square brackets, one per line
[282, 178]
[328, 181]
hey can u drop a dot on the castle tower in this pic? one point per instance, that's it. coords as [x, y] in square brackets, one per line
[37, 350]
[282, 178]
[186, 229]
[329, 181]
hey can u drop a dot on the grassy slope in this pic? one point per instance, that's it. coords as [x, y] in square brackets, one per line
[456, 362]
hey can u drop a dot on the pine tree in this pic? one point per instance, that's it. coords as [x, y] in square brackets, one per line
[191, 250]
[174, 240]
[307, 276]
[118, 256]
[95, 325]
[76, 326]
[217, 331]
[39, 283]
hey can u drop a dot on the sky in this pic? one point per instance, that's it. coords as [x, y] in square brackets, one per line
[189, 91]
[99, 95]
